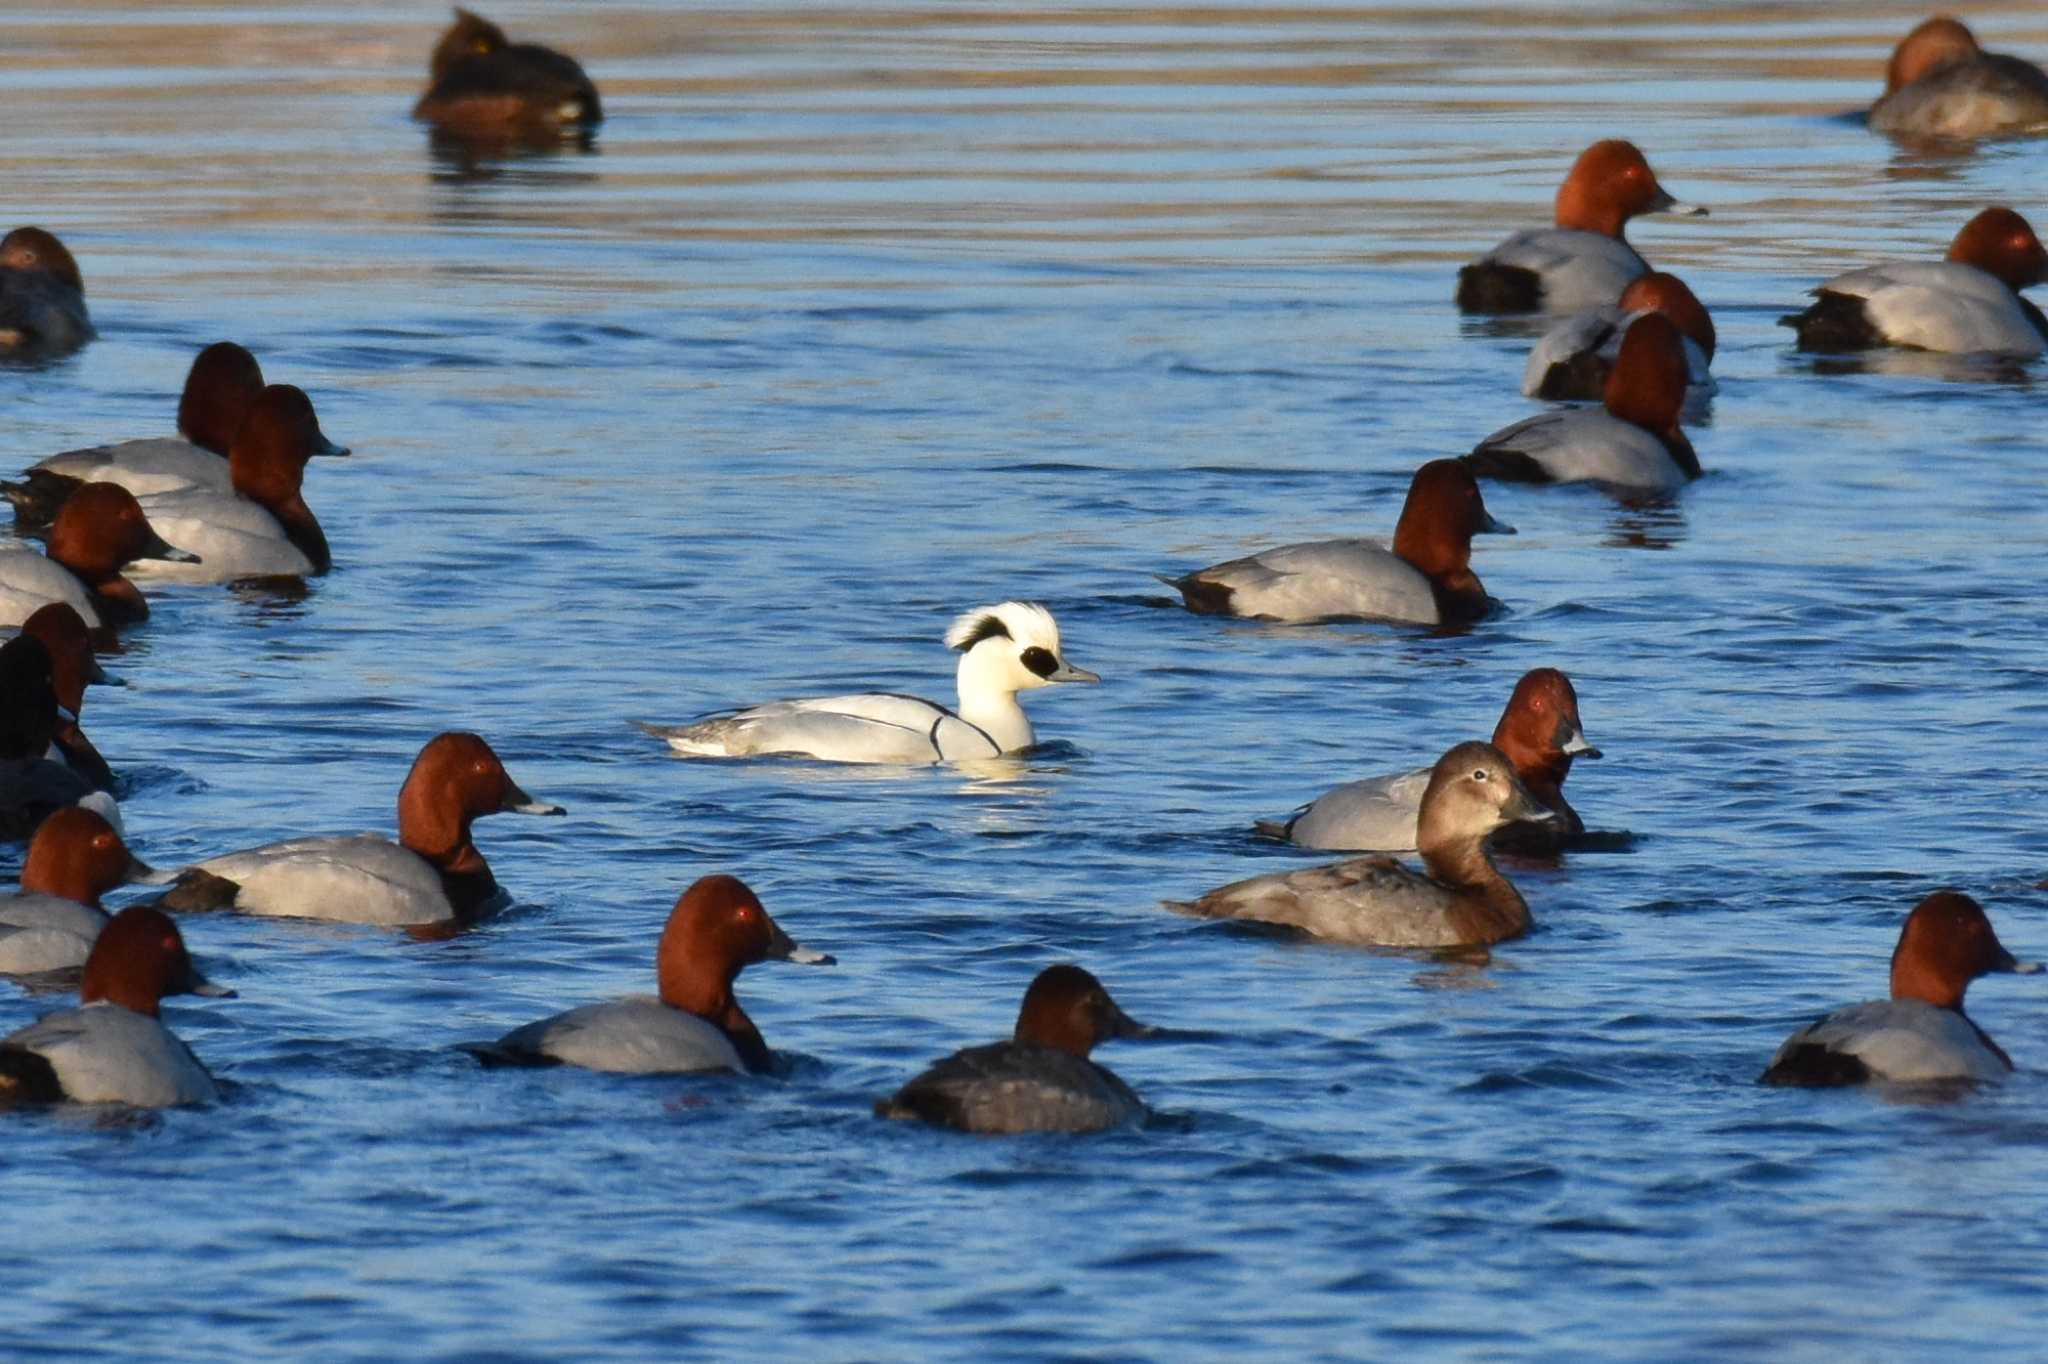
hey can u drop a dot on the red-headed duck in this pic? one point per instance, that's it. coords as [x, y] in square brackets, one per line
[432, 877]
[1004, 649]
[1632, 443]
[1940, 84]
[1425, 579]
[221, 387]
[42, 297]
[63, 633]
[52, 923]
[717, 928]
[263, 528]
[484, 86]
[1583, 261]
[1540, 734]
[100, 530]
[1967, 304]
[1462, 900]
[114, 1047]
[1574, 358]
[1921, 1033]
[1041, 1080]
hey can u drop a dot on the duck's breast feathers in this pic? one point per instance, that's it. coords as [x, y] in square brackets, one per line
[159, 464]
[361, 878]
[1376, 814]
[103, 1053]
[1903, 1041]
[1578, 269]
[636, 1036]
[1322, 579]
[1015, 1087]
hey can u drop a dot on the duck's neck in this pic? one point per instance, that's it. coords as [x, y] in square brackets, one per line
[1491, 908]
[81, 757]
[304, 532]
[708, 995]
[989, 702]
[1460, 597]
[1543, 772]
[118, 601]
[1680, 449]
[465, 877]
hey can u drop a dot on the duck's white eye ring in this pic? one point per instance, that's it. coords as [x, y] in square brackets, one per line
[1479, 774]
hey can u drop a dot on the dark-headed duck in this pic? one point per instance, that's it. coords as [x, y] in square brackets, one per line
[42, 297]
[1940, 84]
[1041, 1080]
[486, 87]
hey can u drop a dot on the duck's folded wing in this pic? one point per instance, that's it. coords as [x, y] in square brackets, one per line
[1364, 899]
[1008, 1087]
[1899, 1040]
[1324, 578]
[1935, 319]
[639, 1036]
[362, 878]
[152, 466]
[880, 727]
[1377, 814]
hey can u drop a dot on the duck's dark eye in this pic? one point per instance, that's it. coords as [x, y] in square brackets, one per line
[1479, 774]
[1040, 661]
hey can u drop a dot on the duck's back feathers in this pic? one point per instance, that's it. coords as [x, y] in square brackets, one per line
[1317, 580]
[1015, 1087]
[1376, 814]
[1899, 1040]
[361, 878]
[640, 1035]
[1578, 445]
[103, 1053]
[1569, 267]
[1370, 900]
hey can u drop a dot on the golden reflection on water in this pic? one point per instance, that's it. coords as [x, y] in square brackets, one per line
[1063, 125]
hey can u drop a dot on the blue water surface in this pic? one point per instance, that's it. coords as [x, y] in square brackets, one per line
[856, 317]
